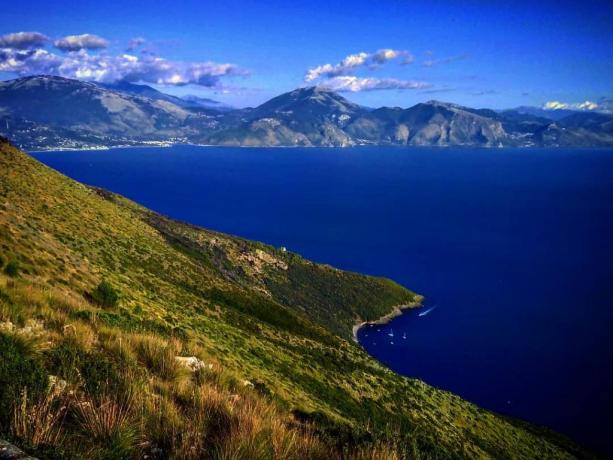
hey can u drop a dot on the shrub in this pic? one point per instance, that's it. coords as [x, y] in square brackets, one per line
[100, 374]
[19, 371]
[65, 360]
[105, 294]
[12, 268]
[94, 370]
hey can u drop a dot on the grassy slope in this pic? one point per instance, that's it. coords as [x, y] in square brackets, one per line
[265, 314]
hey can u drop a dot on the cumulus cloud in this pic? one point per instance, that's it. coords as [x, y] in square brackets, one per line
[23, 40]
[28, 62]
[432, 62]
[354, 84]
[79, 42]
[603, 105]
[107, 68]
[350, 63]
[384, 55]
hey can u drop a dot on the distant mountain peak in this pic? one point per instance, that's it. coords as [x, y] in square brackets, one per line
[311, 99]
[314, 92]
[447, 105]
[313, 89]
[40, 80]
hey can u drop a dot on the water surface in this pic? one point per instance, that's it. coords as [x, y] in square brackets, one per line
[514, 248]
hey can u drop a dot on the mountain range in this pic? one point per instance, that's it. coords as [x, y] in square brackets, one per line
[48, 112]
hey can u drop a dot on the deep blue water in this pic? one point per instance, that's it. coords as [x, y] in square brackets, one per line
[513, 247]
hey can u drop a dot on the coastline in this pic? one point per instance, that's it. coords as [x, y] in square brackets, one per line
[360, 145]
[396, 311]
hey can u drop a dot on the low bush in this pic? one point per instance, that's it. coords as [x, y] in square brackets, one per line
[95, 371]
[64, 360]
[105, 295]
[12, 268]
[101, 374]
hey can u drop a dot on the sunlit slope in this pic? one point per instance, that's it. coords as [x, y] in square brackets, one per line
[265, 314]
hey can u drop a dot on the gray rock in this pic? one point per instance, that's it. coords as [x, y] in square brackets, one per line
[10, 452]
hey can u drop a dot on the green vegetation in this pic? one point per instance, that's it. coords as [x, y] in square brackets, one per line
[19, 372]
[105, 295]
[12, 268]
[277, 375]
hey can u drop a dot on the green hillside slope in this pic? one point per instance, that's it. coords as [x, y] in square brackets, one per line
[253, 312]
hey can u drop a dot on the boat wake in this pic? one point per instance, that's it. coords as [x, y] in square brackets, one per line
[424, 313]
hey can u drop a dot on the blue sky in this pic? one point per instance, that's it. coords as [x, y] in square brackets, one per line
[482, 54]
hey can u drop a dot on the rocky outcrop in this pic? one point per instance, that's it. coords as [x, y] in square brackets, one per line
[193, 363]
[10, 452]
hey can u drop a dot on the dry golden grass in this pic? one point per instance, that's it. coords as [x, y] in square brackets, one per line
[186, 415]
[157, 355]
[161, 423]
[82, 334]
[40, 422]
[116, 343]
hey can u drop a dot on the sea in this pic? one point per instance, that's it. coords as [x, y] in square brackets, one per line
[512, 249]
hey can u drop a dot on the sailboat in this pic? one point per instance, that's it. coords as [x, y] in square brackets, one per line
[404, 336]
[391, 333]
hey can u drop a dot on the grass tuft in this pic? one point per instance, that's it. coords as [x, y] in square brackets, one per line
[39, 422]
[107, 422]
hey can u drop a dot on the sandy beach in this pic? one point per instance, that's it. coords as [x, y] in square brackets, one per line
[396, 311]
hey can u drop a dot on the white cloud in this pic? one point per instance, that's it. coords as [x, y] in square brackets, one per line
[124, 67]
[350, 63]
[555, 105]
[384, 55]
[23, 40]
[587, 105]
[603, 105]
[79, 42]
[356, 84]
[23, 61]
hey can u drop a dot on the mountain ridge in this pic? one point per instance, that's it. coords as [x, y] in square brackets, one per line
[47, 112]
